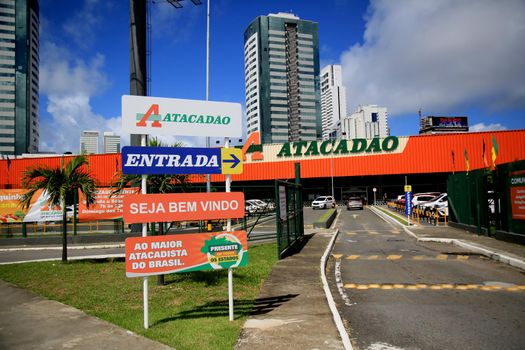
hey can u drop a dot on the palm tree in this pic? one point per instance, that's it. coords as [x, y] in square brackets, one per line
[60, 183]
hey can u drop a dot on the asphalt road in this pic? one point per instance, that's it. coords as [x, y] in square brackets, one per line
[395, 293]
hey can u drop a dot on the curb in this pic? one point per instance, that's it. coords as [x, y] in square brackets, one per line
[329, 298]
[483, 250]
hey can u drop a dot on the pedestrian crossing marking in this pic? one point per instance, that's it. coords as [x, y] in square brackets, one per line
[351, 233]
[433, 287]
[373, 232]
[394, 257]
[352, 257]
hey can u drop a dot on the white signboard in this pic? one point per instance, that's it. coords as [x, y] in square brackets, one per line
[171, 116]
[282, 202]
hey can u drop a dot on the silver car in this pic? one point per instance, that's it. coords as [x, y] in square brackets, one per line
[354, 203]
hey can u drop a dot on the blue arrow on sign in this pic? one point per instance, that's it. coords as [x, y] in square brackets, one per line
[235, 161]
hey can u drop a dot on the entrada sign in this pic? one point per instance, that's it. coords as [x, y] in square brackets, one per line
[171, 116]
[315, 148]
[181, 160]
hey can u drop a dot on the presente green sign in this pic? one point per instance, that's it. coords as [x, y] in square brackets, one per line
[315, 148]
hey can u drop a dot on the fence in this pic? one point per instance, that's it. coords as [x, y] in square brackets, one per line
[490, 201]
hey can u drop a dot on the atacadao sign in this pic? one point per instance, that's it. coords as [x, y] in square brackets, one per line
[171, 116]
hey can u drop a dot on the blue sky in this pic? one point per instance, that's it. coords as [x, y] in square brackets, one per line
[444, 57]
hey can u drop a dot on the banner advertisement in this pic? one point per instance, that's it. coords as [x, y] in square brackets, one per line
[10, 210]
[157, 255]
[142, 208]
[517, 195]
[106, 207]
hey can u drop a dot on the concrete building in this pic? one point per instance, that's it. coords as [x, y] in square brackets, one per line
[281, 69]
[367, 122]
[19, 63]
[89, 142]
[111, 142]
[333, 98]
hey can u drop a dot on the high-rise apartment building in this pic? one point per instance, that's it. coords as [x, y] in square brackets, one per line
[89, 142]
[281, 70]
[19, 63]
[111, 142]
[333, 98]
[366, 123]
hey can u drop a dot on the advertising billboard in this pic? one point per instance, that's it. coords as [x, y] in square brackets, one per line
[157, 255]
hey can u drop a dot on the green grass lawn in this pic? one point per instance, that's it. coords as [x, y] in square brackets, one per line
[189, 312]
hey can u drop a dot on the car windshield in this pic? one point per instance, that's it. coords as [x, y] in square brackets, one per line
[320, 198]
[354, 199]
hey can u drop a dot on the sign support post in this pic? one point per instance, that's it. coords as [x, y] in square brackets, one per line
[145, 234]
[228, 229]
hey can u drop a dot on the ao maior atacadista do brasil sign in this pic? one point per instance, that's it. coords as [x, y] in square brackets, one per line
[156, 255]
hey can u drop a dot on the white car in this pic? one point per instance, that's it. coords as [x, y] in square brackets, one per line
[438, 202]
[323, 202]
[421, 198]
[259, 205]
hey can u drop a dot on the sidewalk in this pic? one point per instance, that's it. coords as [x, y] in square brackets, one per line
[28, 321]
[299, 316]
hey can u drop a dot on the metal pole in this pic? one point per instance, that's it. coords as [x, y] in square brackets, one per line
[145, 234]
[228, 229]
[208, 178]
[332, 173]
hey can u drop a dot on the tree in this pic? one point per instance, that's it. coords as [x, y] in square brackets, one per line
[155, 184]
[60, 183]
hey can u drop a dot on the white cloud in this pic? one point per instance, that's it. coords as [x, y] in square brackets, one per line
[490, 127]
[439, 55]
[68, 85]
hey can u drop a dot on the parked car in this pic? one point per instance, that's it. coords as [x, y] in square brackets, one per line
[421, 198]
[323, 202]
[260, 205]
[437, 202]
[354, 203]
[251, 208]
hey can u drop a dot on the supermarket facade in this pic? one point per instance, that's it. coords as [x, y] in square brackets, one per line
[344, 167]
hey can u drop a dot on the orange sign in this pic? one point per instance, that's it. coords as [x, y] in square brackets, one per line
[182, 206]
[106, 206]
[157, 255]
[517, 195]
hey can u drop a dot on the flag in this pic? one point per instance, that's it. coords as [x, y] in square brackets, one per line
[116, 163]
[495, 151]
[483, 155]
[8, 163]
[466, 161]
[453, 162]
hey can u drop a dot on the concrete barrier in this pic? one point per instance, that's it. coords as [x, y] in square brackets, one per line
[326, 220]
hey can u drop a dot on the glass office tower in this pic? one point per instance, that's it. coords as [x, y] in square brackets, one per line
[19, 64]
[281, 66]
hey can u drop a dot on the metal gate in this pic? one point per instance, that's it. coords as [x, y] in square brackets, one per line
[289, 215]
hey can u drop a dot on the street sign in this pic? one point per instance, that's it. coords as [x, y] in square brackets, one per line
[143, 208]
[158, 255]
[408, 203]
[408, 188]
[171, 116]
[181, 160]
